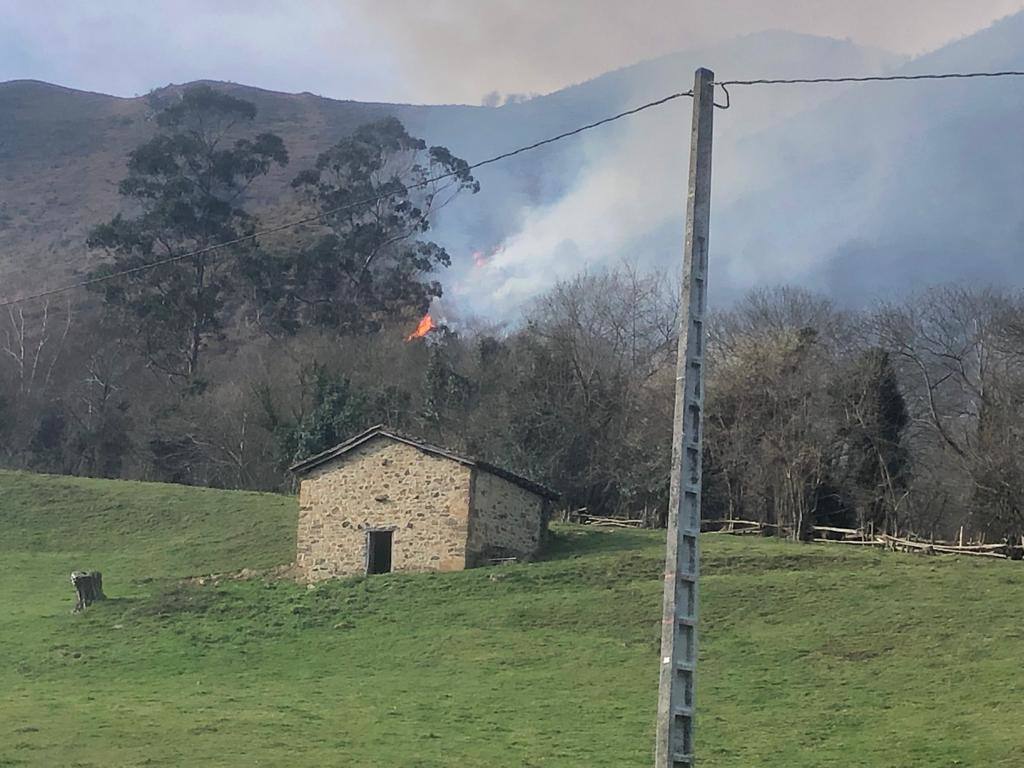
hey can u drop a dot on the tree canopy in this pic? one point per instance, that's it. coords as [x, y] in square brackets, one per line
[365, 262]
[188, 184]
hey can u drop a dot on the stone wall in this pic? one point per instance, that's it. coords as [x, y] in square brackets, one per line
[383, 484]
[506, 520]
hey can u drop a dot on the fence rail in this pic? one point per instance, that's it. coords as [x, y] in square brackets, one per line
[583, 517]
[823, 534]
[826, 534]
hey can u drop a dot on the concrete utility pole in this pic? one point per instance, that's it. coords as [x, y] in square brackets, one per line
[674, 748]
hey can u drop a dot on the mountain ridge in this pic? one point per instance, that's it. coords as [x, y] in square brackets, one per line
[63, 151]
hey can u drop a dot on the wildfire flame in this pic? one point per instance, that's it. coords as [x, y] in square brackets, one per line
[482, 258]
[425, 326]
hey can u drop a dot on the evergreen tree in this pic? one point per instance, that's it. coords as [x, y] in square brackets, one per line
[873, 416]
[366, 262]
[189, 184]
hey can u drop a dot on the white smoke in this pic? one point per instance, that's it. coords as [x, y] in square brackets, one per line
[628, 200]
[632, 183]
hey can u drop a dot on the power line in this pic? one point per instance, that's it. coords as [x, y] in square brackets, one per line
[872, 79]
[498, 158]
[575, 131]
[340, 209]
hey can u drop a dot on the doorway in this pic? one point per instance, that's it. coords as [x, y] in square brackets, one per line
[378, 551]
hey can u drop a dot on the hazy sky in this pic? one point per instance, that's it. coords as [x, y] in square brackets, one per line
[424, 50]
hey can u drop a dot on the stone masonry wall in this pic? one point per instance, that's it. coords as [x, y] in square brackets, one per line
[383, 484]
[506, 520]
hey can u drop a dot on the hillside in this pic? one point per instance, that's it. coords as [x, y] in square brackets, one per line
[857, 191]
[62, 152]
[890, 186]
[811, 656]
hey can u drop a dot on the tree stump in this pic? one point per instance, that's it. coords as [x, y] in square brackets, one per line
[89, 587]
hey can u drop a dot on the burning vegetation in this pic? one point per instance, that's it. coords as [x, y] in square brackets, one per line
[426, 326]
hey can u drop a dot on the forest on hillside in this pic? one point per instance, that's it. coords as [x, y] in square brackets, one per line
[222, 368]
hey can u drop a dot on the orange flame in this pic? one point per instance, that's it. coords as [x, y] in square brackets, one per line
[425, 326]
[482, 259]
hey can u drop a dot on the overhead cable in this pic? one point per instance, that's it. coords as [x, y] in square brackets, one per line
[504, 156]
[871, 78]
[341, 209]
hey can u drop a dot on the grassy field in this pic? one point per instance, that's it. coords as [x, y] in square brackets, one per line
[811, 656]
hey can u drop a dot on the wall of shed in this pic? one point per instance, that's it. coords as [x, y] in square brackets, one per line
[383, 484]
[506, 520]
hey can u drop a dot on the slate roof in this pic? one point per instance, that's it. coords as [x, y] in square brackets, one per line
[352, 443]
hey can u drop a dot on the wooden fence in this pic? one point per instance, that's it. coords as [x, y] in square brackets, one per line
[583, 517]
[826, 534]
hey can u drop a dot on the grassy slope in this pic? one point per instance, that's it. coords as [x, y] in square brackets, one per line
[811, 656]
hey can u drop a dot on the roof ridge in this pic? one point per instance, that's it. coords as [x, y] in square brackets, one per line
[311, 462]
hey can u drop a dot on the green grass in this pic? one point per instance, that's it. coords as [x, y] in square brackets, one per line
[811, 656]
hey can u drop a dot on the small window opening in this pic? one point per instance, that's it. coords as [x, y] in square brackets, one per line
[378, 544]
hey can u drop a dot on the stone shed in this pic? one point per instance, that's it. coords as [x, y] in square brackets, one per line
[383, 502]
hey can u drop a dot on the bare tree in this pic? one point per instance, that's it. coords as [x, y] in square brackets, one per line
[34, 345]
[962, 366]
